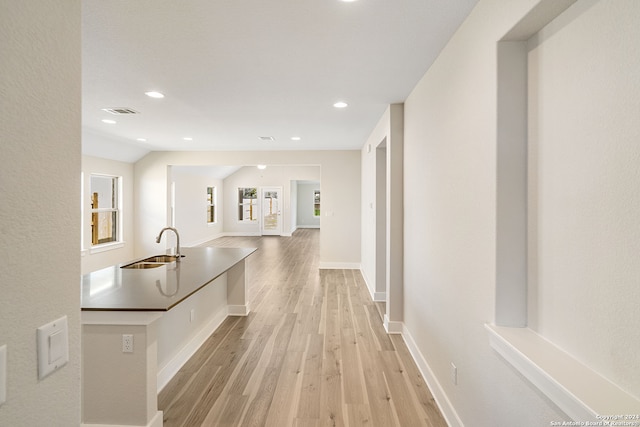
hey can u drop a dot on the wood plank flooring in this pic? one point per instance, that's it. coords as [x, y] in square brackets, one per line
[313, 352]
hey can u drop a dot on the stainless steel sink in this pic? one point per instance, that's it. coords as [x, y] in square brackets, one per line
[143, 265]
[152, 262]
[160, 258]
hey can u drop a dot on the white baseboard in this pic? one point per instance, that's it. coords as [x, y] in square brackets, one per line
[366, 282]
[308, 226]
[241, 234]
[448, 411]
[339, 265]
[375, 296]
[156, 421]
[379, 296]
[203, 241]
[165, 374]
[238, 310]
[392, 327]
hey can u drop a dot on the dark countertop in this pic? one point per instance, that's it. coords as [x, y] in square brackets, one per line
[157, 289]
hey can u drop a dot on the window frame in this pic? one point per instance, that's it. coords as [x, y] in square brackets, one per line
[212, 211]
[116, 210]
[316, 204]
[253, 205]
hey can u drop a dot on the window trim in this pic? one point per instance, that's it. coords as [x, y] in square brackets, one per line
[119, 242]
[316, 203]
[212, 205]
[254, 207]
[103, 247]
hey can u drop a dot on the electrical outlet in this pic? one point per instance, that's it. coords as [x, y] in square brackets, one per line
[127, 343]
[192, 316]
[454, 374]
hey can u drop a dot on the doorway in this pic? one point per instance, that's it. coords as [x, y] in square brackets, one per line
[271, 201]
[381, 222]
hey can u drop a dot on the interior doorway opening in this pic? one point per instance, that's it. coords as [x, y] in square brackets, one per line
[381, 223]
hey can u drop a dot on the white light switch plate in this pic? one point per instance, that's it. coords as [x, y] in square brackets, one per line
[53, 346]
[3, 374]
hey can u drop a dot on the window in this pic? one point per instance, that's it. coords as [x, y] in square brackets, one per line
[247, 204]
[316, 203]
[211, 205]
[105, 209]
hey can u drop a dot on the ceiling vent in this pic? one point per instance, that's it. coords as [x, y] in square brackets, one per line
[120, 111]
[266, 138]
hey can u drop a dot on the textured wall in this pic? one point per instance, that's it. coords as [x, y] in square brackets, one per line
[39, 210]
[583, 204]
[584, 212]
[450, 227]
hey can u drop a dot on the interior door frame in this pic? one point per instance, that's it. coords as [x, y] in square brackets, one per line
[263, 210]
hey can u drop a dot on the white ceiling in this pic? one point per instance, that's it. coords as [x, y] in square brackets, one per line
[235, 70]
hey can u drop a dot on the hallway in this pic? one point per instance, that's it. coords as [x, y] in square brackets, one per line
[312, 352]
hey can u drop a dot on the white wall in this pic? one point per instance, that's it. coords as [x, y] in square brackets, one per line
[450, 163]
[95, 260]
[382, 213]
[369, 202]
[305, 205]
[585, 122]
[39, 212]
[584, 198]
[191, 205]
[272, 176]
[340, 176]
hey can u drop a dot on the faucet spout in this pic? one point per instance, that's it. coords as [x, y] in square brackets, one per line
[177, 240]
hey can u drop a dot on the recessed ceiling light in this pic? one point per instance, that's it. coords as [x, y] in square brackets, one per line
[262, 167]
[188, 138]
[154, 94]
[141, 139]
[109, 121]
[295, 138]
[340, 104]
[267, 138]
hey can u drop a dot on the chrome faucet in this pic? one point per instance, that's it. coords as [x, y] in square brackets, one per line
[177, 240]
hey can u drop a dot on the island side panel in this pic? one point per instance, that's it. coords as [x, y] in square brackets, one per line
[237, 290]
[184, 328]
[119, 388]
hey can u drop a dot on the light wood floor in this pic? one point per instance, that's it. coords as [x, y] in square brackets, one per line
[313, 352]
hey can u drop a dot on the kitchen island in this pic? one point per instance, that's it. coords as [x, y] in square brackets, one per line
[140, 325]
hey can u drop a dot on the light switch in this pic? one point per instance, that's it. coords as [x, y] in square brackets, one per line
[53, 346]
[56, 346]
[3, 374]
